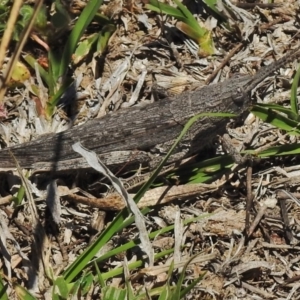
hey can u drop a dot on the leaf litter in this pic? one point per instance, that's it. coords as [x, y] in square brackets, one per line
[264, 265]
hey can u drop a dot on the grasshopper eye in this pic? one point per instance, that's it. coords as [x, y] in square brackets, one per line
[239, 97]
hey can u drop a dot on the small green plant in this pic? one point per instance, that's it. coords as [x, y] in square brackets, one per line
[57, 77]
[187, 24]
[283, 118]
[25, 14]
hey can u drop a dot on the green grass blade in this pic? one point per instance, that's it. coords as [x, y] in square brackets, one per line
[202, 171]
[190, 19]
[54, 66]
[287, 111]
[82, 260]
[129, 288]
[276, 119]
[54, 99]
[294, 99]
[84, 48]
[133, 266]
[190, 286]
[62, 287]
[3, 288]
[83, 21]
[166, 292]
[86, 283]
[212, 169]
[181, 13]
[33, 63]
[291, 149]
[22, 293]
[188, 25]
[20, 195]
[104, 37]
[74, 289]
[147, 185]
[152, 235]
[99, 276]
[113, 293]
[212, 4]
[178, 294]
[169, 10]
[61, 17]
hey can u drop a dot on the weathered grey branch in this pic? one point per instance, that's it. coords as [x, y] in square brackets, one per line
[145, 128]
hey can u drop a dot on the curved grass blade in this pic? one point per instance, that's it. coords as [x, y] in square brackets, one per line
[160, 7]
[188, 25]
[83, 21]
[187, 126]
[152, 235]
[121, 221]
[179, 293]
[290, 114]
[33, 63]
[292, 149]
[53, 101]
[22, 293]
[203, 171]
[277, 119]
[3, 289]
[294, 99]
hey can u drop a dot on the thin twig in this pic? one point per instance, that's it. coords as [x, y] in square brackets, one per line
[223, 63]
